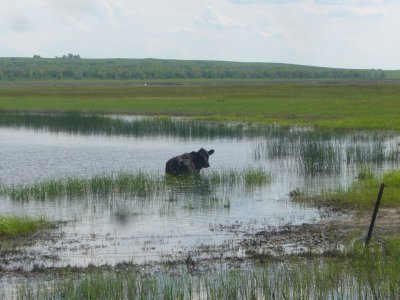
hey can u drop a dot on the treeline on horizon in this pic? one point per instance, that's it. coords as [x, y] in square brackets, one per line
[74, 67]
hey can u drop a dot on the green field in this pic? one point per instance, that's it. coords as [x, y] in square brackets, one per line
[334, 105]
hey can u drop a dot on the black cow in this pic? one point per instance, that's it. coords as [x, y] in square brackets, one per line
[188, 163]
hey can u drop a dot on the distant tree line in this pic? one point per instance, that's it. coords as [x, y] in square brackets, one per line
[74, 67]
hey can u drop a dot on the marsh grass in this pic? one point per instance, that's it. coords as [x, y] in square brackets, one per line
[139, 184]
[365, 173]
[11, 226]
[361, 194]
[278, 137]
[356, 273]
[315, 152]
[352, 105]
[89, 124]
[250, 177]
[310, 156]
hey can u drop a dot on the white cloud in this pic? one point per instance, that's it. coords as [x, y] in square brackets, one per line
[110, 13]
[77, 23]
[274, 33]
[21, 23]
[102, 10]
[183, 29]
[352, 2]
[348, 10]
[364, 11]
[73, 6]
[262, 1]
[211, 17]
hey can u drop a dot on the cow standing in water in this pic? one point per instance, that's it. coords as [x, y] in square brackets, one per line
[188, 163]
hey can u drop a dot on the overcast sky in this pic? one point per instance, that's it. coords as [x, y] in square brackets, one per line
[334, 33]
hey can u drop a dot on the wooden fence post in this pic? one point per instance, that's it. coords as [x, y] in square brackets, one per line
[371, 226]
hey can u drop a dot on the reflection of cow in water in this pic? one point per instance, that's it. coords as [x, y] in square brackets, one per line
[188, 163]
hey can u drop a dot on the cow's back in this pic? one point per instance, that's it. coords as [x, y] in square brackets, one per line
[180, 164]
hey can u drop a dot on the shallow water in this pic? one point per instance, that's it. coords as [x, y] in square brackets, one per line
[125, 228]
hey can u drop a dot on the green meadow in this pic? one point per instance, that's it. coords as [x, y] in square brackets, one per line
[365, 105]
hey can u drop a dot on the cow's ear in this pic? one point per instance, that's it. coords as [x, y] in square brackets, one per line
[211, 152]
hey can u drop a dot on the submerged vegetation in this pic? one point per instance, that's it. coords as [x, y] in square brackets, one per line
[139, 184]
[360, 194]
[358, 273]
[11, 226]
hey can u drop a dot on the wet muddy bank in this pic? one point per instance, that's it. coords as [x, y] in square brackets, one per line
[324, 237]
[272, 243]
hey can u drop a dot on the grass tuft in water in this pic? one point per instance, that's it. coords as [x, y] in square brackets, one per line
[365, 173]
[256, 177]
[138, 184]
[248, 176]
[11, 226]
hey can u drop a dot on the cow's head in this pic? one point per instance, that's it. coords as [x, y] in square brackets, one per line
[200, 158]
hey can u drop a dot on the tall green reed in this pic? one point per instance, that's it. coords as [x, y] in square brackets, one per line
[77, 123]
[315, 152]
[139, 184]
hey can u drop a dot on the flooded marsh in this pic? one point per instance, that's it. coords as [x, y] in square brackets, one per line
[102, 178]
[362, 275]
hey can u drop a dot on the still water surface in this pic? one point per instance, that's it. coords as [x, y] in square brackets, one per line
[126, 228]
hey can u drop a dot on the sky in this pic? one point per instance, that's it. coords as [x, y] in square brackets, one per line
[332, 33]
